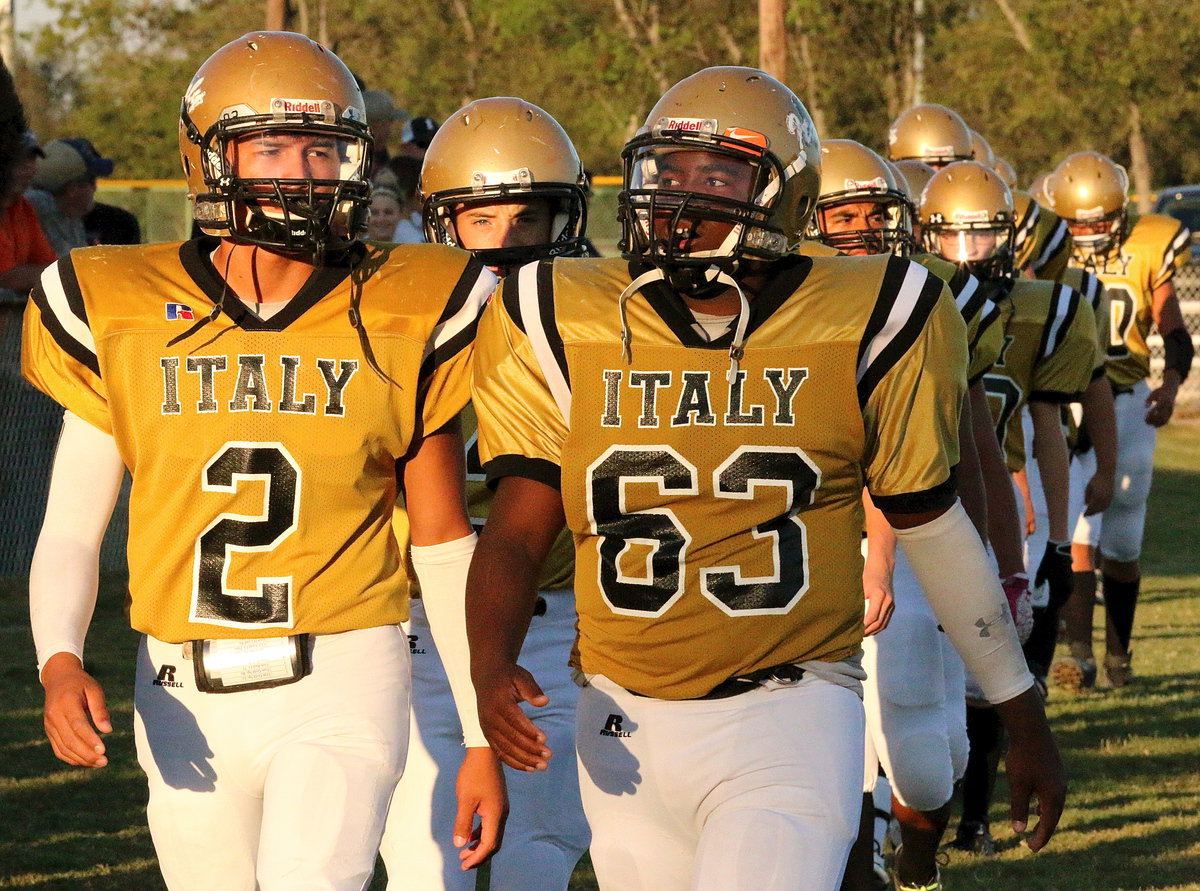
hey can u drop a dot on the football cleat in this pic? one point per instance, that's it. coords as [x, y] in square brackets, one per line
[1119, 669]
[974, 837]
[934, 884]
[1076, 671]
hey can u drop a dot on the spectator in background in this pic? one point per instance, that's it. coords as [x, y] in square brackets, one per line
[406, 174]
[108, 224]
[417, 136]
[24, 249]
[381, 115]
[64, 191]
[385, 213]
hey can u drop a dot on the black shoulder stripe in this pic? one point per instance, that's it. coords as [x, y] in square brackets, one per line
[940, 497]
[968, 295]
[509, 294]
[545, 282]
[459, 320]
[1027, 224]
[1064, 304]
[537, 469]
[1058, 241]
[1092, 289]
[1182, 237]
[906, 300]
[60, 300]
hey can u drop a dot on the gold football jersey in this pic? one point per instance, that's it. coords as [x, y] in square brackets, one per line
[1042, 241]
[1048, 355]
[262, 452]
[1156, 246]
[983, 336]
[1092, 290]
[716, 511]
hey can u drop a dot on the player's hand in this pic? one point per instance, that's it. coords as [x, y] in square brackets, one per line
[74, 712]
[1098, 495]
[480, 790]
[1034, 767]
[1160, 404]
[877, 587]
[1055, 571]
[513, 737]
[1020, 603]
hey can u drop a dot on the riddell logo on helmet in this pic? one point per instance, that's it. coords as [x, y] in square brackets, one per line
[938, 150]
[863, 185]
[691, 125]
[300, 106]
[970, 216]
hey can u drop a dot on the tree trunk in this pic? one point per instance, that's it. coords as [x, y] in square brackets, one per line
[772, 39]
[277, 15]
[1139, 160]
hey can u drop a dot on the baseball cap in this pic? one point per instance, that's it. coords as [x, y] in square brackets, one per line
[64, 160]
[30, 144]
[420, 131]
[379, 105]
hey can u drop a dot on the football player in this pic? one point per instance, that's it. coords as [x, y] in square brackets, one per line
[502, 179]
[1047, 359]
[1136, 259]
[930, 133]
[703, 414]
[915, 687]
[262, 384]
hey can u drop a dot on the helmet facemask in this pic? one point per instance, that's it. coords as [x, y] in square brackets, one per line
[893, 237]
[300, 215]
[687, 231]
[1101, 240]
[568, 207]
[960, 243]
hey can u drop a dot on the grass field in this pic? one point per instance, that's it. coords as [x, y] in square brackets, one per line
[1133, 818]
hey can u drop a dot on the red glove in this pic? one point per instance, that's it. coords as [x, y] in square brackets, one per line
[1020, 603]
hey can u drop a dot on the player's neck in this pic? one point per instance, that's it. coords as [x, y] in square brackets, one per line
[258, 275]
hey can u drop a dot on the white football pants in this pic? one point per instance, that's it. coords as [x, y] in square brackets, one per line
[546, 833]
[760, 791]
[914, 698]
[284, 788]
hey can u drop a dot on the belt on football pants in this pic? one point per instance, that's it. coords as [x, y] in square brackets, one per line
[786, 673]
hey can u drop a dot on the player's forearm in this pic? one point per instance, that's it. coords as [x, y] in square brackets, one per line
[21, 279]
[501, 594]
[1004, 530]
[1101, 423]
[84, 485]
[951, 565]
[1050, 451]
[969, 475]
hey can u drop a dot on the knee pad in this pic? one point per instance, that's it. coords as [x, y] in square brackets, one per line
[921, 770]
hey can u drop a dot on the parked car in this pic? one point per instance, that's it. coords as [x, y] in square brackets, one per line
[1183, 203]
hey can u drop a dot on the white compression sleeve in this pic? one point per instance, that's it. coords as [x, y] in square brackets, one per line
[66, 562]
[442, 573]
[951, 564]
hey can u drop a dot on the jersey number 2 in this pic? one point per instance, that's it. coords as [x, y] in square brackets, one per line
[269, 604]
[667, 541]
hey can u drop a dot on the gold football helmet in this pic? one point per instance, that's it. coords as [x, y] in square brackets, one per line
[1037, 189]
[1090, 192]
[981, 149]
[852, 174]
[967, 218]
[1006, 172]
[726, 167]
[504, 149]
[281, 82]
[931, 133]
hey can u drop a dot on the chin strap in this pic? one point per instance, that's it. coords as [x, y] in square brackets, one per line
[653, 275]
[712, 274]
[736, 351]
